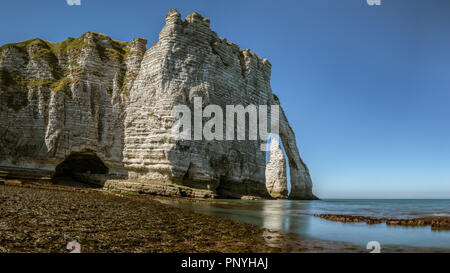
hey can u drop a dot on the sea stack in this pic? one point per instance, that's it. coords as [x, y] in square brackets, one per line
[276, 180]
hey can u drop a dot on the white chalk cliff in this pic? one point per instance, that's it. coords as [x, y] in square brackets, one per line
[108, 104]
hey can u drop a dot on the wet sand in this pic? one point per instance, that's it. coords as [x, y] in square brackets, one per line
[45, 217]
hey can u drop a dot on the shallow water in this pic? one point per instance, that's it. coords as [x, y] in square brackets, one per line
[297, 217]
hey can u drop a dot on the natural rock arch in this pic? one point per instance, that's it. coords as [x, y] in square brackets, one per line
[117, 101]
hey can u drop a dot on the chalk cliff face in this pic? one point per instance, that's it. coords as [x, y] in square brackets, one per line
[113, 100]
[57, 99]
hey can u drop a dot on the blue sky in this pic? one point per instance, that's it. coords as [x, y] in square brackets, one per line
[366, 88]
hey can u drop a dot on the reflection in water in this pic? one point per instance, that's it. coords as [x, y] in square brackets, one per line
[273, 221]
[296, 217]
[273, 216]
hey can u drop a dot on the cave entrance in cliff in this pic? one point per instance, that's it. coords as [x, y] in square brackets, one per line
[79, 164]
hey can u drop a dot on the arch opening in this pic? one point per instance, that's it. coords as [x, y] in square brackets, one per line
[80, 163]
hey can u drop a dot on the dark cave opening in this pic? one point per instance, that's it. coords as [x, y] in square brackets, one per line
[81, 163]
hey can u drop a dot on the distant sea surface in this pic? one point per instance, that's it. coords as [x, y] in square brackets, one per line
[297, 217]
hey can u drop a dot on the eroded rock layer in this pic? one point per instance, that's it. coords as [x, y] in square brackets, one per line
[93, 96]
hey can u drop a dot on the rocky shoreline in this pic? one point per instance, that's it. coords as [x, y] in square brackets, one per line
[40, 217]
[436, 223]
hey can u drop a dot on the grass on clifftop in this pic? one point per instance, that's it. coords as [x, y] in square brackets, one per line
[72, 47]
[70, 50]
[63, 59]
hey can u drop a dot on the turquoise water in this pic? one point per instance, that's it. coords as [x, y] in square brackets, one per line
[297, 217]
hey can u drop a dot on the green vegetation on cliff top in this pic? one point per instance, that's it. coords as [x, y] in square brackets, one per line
[114, 50]
[66, 52]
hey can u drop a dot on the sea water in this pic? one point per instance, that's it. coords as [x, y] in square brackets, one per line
[297, 217]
